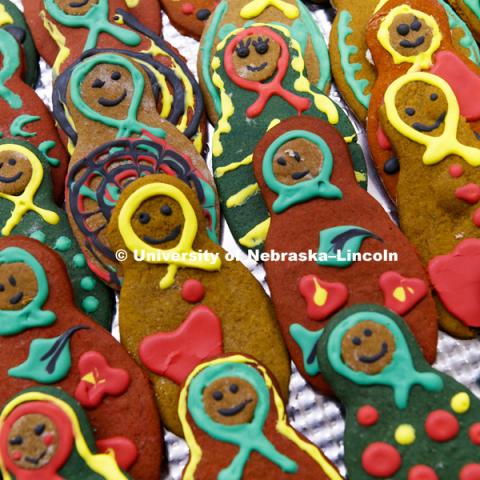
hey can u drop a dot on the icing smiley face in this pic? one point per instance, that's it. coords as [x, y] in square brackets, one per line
[255, 58]
[76, 7]
[18, 286]
[230, 401]
[297, 161]
[15, 172]
[32, 441]
[410, 35]
[368, 347]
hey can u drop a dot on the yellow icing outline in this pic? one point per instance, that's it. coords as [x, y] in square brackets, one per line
[421, 61]
[282, 427]
[187, 257]
[257, 7]
[437, 148]
[103, 464]
[59, 39]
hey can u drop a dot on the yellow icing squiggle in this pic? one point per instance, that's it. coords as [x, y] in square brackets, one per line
[60, 40]
[257, 235]
[257, 7]
[241, 197]
[221, 171]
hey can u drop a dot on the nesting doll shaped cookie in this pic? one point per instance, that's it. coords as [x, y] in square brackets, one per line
[259, 77]
[404, 419]
[236, 426]
[46, 340]
[305, 176]
[197, 304]
[96, 182]
[27, 208]
[409, 36]
[44, 433]
[24, 116]
[440, 214]
[353, 71]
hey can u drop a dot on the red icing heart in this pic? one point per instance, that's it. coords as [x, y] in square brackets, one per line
[175, 354]
[323, 298]
[402, 294]
[123, 449]
[456, 278]
[469, 193]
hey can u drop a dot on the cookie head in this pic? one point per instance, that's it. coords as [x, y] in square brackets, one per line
[230, 401]
[15, 172]
[76, 7]
[18, 286]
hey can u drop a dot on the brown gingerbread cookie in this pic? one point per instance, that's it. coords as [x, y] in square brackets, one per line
[46, 340]
[330, 244]
[196, 304]
[469, 10]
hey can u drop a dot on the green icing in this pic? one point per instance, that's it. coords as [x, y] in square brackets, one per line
[307, 341]
[10, 52]
[88, 283]
[39, 236]
[79, 261]
[63, 244]
[210, 205]
[90, 304]
[45, 147]
[248, 437]
[17, 126]
[474, 6]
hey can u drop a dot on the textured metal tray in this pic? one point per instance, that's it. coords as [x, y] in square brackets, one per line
[314, 415]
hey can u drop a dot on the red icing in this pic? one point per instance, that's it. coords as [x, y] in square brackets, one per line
[441, 426]
[187, 8]
[333, 296]
[381, 460]
[455, 170]
[274, 86]
[474, 433]
[175, 354]
[367, 416]
[464, 82]
[98, 380]
[402, 294]
[470, 472]
[469, 193]
[64, 444]
[456, 277]
[193, 291]
[382, 139]
[123, 449]
[422, 472]
[476, 218]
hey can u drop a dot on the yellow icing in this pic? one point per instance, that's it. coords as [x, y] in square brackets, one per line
[166, 96]
[60, 40]
[321, 295]
[420, 61]
[381, 3]
[460, 403]
[360, 176]
[240, 198]
[5, 18]
[282, 427]
[273, 123]
[182, 255]
[257, 7]
[221, 171]
[439, 147]
[132, 3]
[24, 202]
[399, 294]
[256, 236]
[102, 464]
[405, 435]
[350, 139]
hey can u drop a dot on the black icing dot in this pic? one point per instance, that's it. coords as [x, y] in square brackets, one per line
[356, 341]
[203, 14]
[18, 440]
[391, 166]
[410, 111]
[12, 281]
[243, 52]
[403, 29]
[98, 83]
[166, 210]
[2, 287]
[234, 388]
[217, 395]
[12, 162]
[144, 218]
[416, 25]
[281, 161]
[39, 429]
[433, 97]
[116, 76]
[367, 332]
[261, 46]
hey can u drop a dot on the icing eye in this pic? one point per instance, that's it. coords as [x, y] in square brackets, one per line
[367, 332]
[203, 14]
[39, 429]
[433, 97]
[403, 29]
[281, 161]
[217, 396]
[166, 210]
[116, 76]
[356, 341]
[98, 83]
[12, 162]
[261, 45]
[416, 25]
[144, 218]
[410, 111]
[12, 281]
[2, 287]
[243, 52]
[16, 440]
[234, 388]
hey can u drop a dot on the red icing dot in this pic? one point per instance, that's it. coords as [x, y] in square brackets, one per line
[367, 416]
[474, 433]
[476, 217]
[16, 455]
[48, 439]
[187, 8]
[422, 472]
[470, 472]
[441, 426]
[193, 291]
[381, 460]
[469, 193]
[455, 170]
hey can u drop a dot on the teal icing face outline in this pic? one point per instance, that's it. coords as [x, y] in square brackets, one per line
[32, 315]
[400, 374]
[95, 21]
[248, 437]
[130, 124]
[318, 187]
[10, 52]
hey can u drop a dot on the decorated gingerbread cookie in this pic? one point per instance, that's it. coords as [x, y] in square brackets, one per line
[236, 426]
[96, 182]
[195, 303]
[27, 208]
[407, 36]
[440, 213]
[404, 419]
[44, 433]
[259, 78]
[306, 179]
[46, 340]
[352, 68]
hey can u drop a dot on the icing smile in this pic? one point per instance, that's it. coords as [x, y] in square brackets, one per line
[35, 460]
[16, 298]
[171, 236]
[377, 357]
[105, 102]
[253, 68]
[300, 175]
[11, 179]
[78, 4]
[231, 412]
[421, 127]
[408, 44]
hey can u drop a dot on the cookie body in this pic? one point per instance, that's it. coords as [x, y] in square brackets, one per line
[235, 424]
[46, 340]
[198, 305]
[403, 418]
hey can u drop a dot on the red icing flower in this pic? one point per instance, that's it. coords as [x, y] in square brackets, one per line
[123, 449]
[98, 379]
